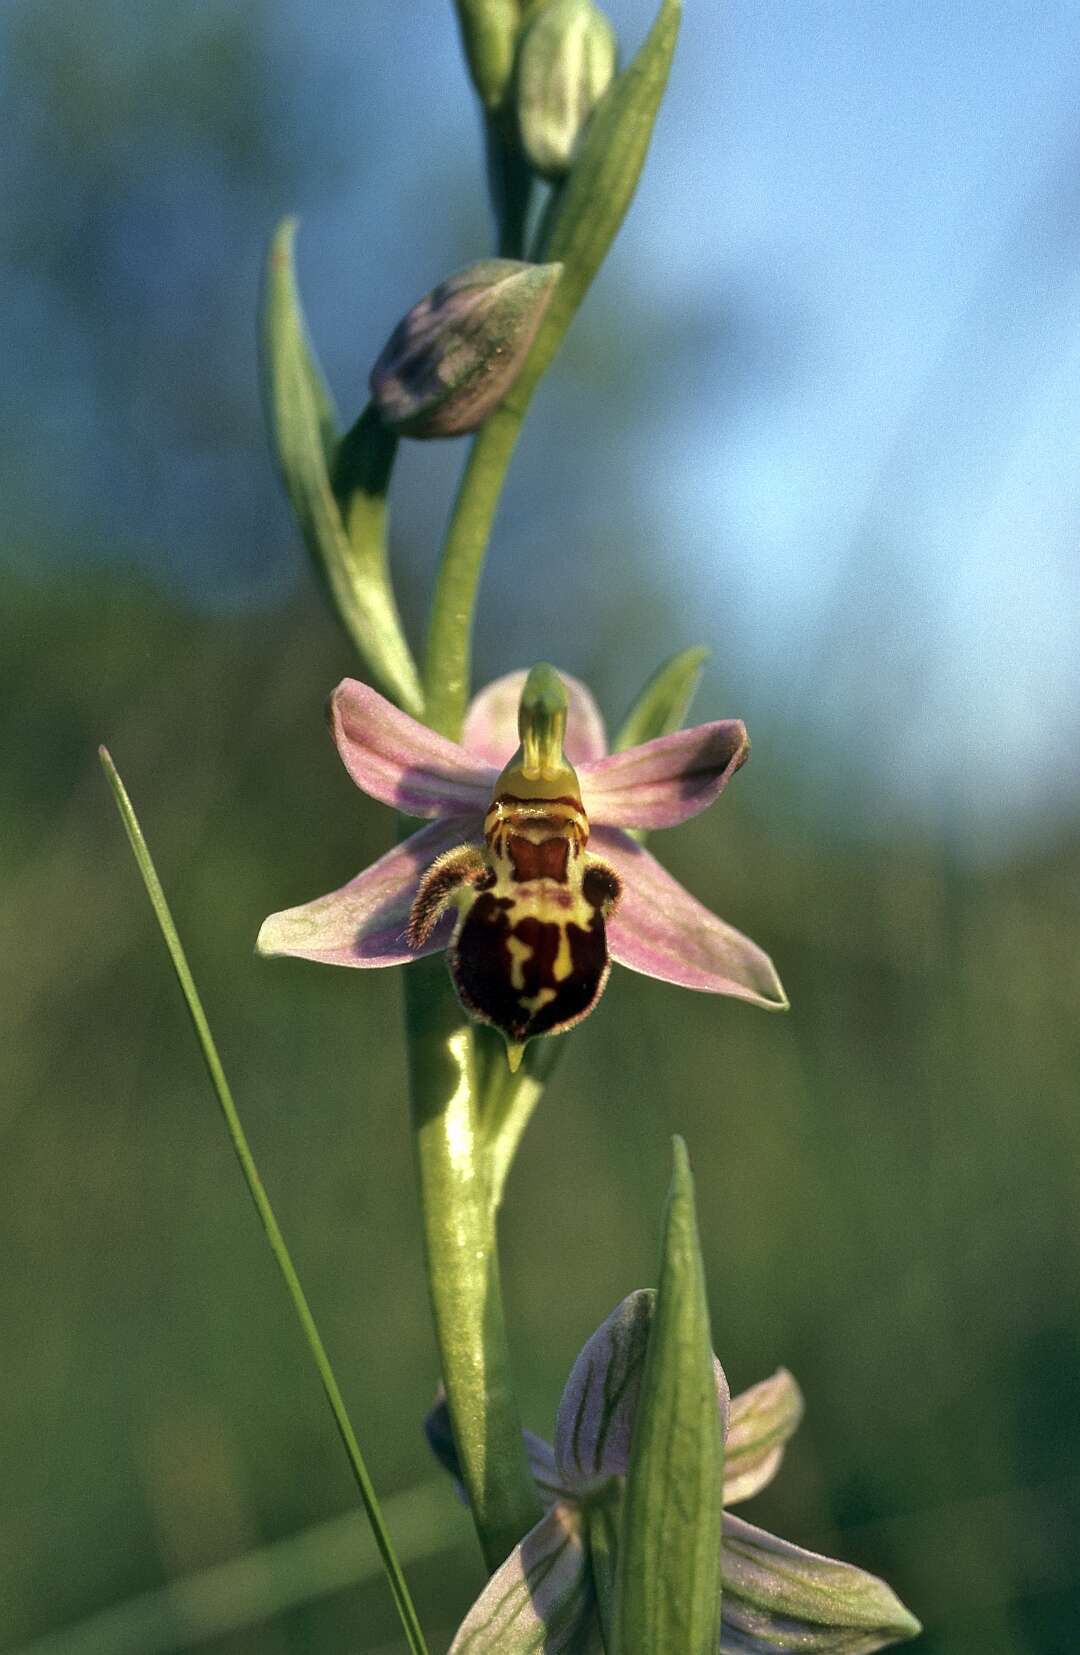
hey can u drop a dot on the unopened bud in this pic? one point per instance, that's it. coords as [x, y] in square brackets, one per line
[566, 63]
[450, 361]
[489, 29]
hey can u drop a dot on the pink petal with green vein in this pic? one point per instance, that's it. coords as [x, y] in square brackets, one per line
[401, 762]
[541, 1599]
[762, 1421]
[665, 781]
[491, 728]
[662, 931]
[363, 924]
[778, 1598]
[596, 1415]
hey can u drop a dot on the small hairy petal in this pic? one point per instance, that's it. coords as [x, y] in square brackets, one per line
[662, 931]
[778, 1598]
[596, 1415]
[763, 1420]
[403, 763]
[491, 725]
[665, 781]
[455, 869]
[365, 923]
[541, 1599]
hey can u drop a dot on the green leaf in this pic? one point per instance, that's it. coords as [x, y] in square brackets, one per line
[238, 1137]
[663, 704]
[668, 1590]
[337, 487]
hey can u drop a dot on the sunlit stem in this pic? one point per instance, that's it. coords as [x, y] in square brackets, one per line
[448, 659]
[462, 1262]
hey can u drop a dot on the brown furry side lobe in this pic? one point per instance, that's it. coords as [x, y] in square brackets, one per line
[466, 865]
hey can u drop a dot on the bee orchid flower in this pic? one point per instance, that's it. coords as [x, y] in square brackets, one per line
[526, 873]
[778, 1599]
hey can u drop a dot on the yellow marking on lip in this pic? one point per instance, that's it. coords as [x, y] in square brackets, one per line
[537, 818]
[519, 952]
[563, 963]
[533, 1003]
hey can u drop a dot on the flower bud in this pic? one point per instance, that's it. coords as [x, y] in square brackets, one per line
[452, 359]
[566, 63]
[489, 31]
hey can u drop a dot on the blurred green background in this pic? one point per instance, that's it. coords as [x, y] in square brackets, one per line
[887, 1177]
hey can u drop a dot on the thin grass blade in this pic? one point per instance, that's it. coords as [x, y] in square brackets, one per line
[171, 937]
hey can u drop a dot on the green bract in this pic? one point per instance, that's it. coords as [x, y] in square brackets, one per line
[337, 485]
[665, 700]
[668, 1580]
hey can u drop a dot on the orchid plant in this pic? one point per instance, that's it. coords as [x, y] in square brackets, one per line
[531, 874]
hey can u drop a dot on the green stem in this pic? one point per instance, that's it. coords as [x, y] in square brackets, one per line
[462, 1262]
[448, 662]
[395, 1576]
[509, 184]
[507, 1104]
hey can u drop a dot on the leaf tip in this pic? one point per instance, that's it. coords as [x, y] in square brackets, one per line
[680, 1156]
[112, 774]
[281, 243]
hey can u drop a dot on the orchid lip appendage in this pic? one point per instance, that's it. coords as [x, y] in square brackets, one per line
[541, 829]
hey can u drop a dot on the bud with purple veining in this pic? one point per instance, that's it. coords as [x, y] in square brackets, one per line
[567, 61]
[450, 361]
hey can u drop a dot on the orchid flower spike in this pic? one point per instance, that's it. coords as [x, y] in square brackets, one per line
[777, 1598]
[526, 875]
